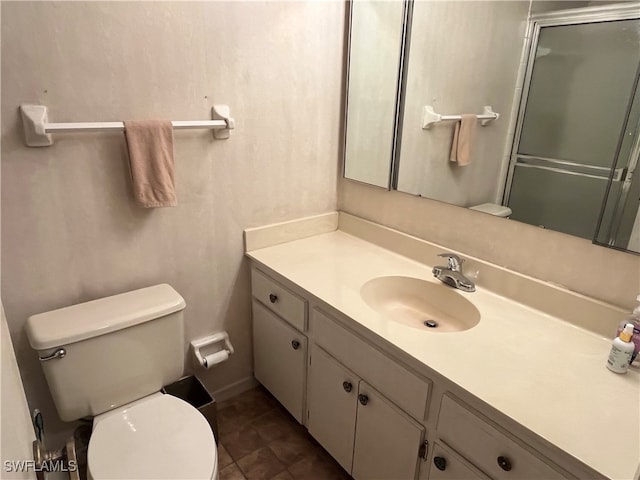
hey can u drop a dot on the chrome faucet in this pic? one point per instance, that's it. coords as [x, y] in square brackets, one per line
[452, 273]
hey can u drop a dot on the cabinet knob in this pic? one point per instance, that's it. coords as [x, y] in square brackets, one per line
[440, 463]
[273, 298]
[505, 463]
[363, 399]
[347, 386]
[295, 344]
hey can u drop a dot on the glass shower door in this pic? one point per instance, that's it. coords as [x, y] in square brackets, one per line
[575, 119]
[619, 225]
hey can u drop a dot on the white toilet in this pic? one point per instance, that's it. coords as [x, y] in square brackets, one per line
[108, 359]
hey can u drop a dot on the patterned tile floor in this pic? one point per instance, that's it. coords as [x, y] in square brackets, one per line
[259, 440]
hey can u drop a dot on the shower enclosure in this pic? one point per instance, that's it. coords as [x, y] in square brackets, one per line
[577, 141]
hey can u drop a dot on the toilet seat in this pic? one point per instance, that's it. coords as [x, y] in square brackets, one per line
[157, 437]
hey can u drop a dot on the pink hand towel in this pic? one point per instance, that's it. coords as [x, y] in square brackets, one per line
[462, 139]
[150, 144]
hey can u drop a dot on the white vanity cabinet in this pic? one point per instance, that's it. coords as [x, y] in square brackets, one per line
[279, 344]
[409, 391]
[366, 409]
[487, 447]
[368, 435]
[332, 406]
[373, 409]
[388, 443]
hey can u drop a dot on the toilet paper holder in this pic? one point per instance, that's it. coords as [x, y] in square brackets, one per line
[209, 343]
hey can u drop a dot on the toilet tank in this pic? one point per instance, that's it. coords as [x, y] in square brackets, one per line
[116, 349]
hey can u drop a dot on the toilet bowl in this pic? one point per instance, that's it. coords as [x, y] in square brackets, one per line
[108, 359]
[157, 437]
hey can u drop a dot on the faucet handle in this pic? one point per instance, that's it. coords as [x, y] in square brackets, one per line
[453, 260]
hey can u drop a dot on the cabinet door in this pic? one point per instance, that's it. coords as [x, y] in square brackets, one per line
[387, 440]
[332, 406]
[279, 359]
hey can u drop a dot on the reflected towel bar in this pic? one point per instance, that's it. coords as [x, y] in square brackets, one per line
[429, 116]
[38, 130]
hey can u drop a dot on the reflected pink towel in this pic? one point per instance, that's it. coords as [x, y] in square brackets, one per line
[462, 139]
[150, 144]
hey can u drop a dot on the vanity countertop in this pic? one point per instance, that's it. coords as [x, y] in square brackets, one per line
[543, 372]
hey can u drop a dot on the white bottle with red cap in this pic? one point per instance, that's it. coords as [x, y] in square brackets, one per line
[621, 351]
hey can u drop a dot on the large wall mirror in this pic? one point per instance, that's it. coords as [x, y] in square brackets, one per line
[563, 79]
[376, 46]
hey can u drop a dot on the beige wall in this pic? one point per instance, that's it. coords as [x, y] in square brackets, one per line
[575, 263]
[70, 232]
[17, 433]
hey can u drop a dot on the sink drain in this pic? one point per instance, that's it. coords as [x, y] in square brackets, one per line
[430, 323]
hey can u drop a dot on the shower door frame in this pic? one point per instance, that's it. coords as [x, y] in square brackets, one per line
[631, 177]
[606, 13]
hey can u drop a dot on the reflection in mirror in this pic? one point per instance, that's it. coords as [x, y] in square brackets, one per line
[464, 55]
[563, 84]
[576, 113]
[375, 46]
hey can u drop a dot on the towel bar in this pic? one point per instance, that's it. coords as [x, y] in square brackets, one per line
[429, 116]
[38, 130]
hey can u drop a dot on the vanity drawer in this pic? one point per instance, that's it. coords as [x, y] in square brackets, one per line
[448, 465]
[278, 299]
[489, 449]
[402, 387]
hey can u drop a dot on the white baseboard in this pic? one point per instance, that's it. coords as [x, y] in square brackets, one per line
[235, 388]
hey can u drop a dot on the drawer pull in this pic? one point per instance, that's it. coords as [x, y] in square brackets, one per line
[505, 463]
[273, 298]
[363, 399]
[347, 386]
[295, 344]
[440, 463]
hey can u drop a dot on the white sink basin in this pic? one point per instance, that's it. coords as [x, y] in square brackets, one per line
[420, 304]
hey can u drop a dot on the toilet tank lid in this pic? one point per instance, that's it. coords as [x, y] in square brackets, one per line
[99, 317]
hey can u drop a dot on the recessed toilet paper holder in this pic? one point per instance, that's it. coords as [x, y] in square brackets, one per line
[218, 347]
